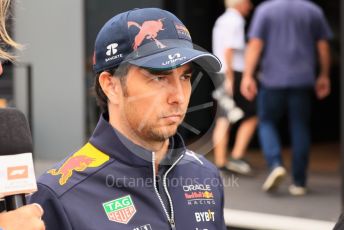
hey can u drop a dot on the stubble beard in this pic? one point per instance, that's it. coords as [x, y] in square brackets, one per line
[150, 132]
[147, 130]
[141, 127]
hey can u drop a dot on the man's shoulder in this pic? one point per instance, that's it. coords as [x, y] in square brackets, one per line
[74, 169]
[229, 18]
[199, 161]
[267, 6]
[270, 6]
[312, 7]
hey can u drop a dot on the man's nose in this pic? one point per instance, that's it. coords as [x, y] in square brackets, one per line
[176, 93]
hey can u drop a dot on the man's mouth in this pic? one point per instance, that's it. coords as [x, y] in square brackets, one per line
[173, 118]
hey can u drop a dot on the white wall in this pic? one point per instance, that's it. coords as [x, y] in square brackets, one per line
[53, 33]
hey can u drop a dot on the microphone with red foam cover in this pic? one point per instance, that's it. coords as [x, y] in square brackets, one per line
[16, 161]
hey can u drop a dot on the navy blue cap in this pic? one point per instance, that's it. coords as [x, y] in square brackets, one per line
[150, 38]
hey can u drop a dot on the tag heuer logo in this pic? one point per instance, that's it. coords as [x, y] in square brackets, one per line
[120, 210]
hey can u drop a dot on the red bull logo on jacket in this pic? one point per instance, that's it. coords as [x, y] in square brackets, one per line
[87, 157]
[148, 30]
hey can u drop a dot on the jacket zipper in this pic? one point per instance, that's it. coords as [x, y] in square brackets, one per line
[169, 218]
[173, 224]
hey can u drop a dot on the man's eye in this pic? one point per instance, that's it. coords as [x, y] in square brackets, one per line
[159, 78]
[186, 77]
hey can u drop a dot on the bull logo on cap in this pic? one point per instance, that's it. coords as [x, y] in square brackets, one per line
[148, 30]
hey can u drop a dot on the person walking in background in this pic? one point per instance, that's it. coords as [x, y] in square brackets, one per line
[287, 36]
[229, 46]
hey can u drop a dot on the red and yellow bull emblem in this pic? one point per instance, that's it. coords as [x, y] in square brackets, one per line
[148, 30]
[87, 157]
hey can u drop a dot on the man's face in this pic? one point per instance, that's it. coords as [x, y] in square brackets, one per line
[154, 103]
[246, 7]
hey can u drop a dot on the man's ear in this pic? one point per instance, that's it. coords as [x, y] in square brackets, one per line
[111, 87]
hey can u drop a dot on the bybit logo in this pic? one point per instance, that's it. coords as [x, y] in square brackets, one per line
[111, 49]
[205, 216]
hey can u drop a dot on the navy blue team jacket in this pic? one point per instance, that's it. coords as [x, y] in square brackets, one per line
[110, 184]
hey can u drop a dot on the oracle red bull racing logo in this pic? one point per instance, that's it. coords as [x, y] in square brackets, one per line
[87, 157]
[148, 30]
[120, 210]
[199, 194]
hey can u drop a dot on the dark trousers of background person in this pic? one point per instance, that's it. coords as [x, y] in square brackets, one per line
[272, 105]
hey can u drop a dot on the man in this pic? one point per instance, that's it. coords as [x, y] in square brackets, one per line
[288, 35]
[229, 46]
[135, 172]
[27, 217]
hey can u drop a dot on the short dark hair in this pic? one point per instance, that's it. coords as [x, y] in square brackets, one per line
[121, 71]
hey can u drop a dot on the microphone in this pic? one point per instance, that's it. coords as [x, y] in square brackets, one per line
[17, 176]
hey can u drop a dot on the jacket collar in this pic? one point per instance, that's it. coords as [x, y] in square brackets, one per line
[112, 142]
